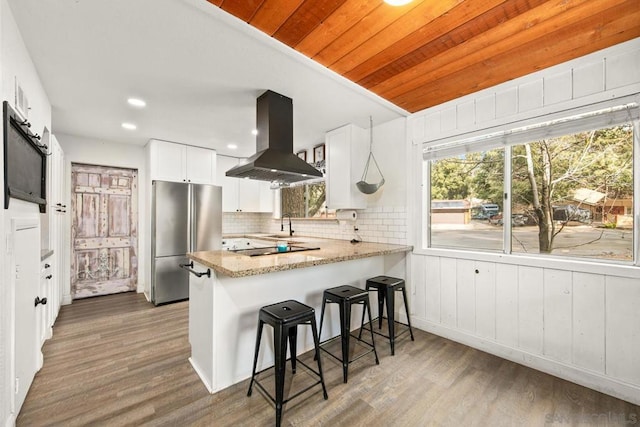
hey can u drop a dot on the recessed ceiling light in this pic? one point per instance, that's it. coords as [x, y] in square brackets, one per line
[254, 132]
[129, 126]
[136, 102]
[397, 2]
[232, 146]
[274, 170]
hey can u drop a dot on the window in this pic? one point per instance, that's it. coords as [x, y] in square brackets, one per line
[466, 197]
[569, 190]
[305, 201]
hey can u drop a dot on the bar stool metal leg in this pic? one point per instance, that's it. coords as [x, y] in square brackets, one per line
[316, 342]
[381, 297]
[255, 357]
[345, 323]
[366, 303]
[280, 346]
[391, 314]
[293, 341]
[406, 306]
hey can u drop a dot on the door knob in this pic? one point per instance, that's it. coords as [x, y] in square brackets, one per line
[42, 301]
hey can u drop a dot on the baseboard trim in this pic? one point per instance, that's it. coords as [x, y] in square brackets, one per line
[592, 380]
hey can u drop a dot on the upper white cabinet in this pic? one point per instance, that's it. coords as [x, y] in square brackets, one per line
[242, 195]
[169, 161]
[346, 156]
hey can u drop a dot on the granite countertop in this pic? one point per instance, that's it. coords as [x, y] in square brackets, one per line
[234, 265]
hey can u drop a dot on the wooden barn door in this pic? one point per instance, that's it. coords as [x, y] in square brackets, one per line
[104, 205]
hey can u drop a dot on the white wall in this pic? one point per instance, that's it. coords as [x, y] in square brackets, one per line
[15, 63]
[575, 319]
[107, 153]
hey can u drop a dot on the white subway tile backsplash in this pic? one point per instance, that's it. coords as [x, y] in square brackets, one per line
[376, 224]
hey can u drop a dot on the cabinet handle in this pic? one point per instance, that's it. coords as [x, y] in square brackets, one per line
[47, 266]
[49, 277]
[42, 301]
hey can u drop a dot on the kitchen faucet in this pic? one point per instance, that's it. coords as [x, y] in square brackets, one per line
[282, 224]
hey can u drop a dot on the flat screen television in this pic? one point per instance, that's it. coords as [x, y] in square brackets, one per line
[25, 162]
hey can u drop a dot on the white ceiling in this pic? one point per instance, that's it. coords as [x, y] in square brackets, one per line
[199, 69]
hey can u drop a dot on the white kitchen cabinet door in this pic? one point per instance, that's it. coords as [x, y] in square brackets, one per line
[346, 155]
[242, 195]
[167, 161]
[200, 167]
[255, 196]
[173, 162]
[229, 185]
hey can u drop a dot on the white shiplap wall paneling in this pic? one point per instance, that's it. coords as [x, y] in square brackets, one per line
[530, 96]
[588, 321]
[418, 298]
[507, 102]
[507, 304]
[432, 288]
[448, 293]
[557, 314]
[530, 309]
[622, 328]
[622, 70]
[557, 88]
[485, 299]
[588, 79]
[466, 295]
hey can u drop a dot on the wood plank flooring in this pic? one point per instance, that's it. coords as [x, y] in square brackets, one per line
[118, 360]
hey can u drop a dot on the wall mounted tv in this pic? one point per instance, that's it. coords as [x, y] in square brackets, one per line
[25, 161]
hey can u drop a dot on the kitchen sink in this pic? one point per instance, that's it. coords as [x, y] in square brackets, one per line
[271, 250]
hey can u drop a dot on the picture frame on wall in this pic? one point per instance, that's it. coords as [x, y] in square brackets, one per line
[302, 154]
[318, 153]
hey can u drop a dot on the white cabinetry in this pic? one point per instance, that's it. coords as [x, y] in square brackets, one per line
[242, 195]
[57, 210]
[169, 161]
[346, 156]
[44, 310]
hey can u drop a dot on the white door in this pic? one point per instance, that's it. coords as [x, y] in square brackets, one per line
[26, 241]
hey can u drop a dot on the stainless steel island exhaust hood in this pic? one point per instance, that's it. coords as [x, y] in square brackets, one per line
[274, 160]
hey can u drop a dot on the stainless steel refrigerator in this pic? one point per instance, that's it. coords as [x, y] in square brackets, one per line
[185, 218]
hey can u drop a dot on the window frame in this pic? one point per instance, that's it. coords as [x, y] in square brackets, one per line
[516, 133]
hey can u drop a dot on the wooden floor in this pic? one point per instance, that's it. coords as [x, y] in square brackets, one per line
[117, 360]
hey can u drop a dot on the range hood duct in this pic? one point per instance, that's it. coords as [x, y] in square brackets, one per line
[274, 159]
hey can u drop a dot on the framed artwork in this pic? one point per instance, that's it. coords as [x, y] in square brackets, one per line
[318, 153]
[302, 154]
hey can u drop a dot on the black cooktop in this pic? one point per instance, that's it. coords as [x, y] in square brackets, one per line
[271, 250]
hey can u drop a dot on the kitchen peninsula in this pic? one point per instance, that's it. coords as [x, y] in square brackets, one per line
[223, 306]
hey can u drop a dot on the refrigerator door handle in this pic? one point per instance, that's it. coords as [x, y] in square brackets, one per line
[189, 268]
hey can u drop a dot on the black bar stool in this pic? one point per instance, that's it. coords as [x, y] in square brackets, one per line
[285, 317]
[387, 287]
[345, 297]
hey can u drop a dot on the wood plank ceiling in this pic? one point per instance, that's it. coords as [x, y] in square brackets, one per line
[432, 51]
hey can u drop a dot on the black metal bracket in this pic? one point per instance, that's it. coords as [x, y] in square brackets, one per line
[189, 268]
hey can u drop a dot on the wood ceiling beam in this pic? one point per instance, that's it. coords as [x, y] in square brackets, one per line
[536, 23]
[588, 35]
